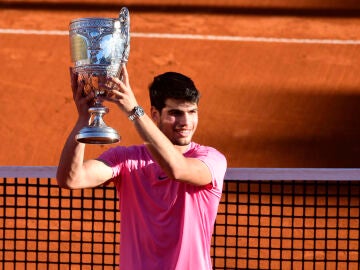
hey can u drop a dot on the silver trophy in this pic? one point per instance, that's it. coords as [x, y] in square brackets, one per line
[99, 46]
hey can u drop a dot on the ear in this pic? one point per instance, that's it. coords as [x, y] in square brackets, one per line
[155, 114]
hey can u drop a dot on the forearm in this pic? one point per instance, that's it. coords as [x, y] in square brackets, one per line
[159, 145]
[172, 161]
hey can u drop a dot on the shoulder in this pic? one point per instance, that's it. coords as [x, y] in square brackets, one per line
[207, 152]
[214, 160]
[120, 154]
[122, 158]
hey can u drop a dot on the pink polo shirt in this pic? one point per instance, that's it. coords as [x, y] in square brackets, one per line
[165, 225]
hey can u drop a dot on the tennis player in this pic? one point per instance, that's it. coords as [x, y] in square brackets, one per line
[169, 188]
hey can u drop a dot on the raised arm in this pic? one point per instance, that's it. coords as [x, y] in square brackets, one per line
[73, 172]
[168, 156]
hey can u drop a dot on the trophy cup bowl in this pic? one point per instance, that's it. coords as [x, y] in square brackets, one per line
[99, 46]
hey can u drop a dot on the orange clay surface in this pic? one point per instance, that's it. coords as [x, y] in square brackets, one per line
[264, 104]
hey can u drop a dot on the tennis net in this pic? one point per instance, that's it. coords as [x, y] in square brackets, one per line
[306, 223]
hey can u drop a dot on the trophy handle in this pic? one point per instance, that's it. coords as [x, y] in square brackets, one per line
[124, 19]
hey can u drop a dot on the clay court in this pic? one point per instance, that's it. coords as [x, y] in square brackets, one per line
[280, 82]
[280, 88]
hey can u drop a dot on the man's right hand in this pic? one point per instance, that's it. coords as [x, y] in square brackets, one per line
[82, 102]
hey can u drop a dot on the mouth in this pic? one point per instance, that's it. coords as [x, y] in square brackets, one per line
[183, 132]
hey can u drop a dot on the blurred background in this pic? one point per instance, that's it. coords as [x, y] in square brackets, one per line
[279, 79]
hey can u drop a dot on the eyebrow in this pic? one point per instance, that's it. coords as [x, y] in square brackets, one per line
[180, 110]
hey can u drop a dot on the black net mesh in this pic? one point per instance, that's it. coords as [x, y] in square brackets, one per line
[260, 225]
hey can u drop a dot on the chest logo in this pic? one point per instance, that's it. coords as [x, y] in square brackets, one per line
[162, 177]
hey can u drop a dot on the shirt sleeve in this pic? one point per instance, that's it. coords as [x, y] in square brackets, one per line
[114, 158]
[216, 162]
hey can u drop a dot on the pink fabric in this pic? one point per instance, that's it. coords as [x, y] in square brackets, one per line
[164, 224]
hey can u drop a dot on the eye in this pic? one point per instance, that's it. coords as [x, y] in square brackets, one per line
[175, 112]
[194, 111]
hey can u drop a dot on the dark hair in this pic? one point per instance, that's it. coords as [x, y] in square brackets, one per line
[172, 85]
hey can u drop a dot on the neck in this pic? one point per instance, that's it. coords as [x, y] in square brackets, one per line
[183, 148]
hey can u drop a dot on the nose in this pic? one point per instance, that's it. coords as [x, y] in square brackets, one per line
[184, 119]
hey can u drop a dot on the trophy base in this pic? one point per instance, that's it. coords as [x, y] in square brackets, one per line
[97, 135]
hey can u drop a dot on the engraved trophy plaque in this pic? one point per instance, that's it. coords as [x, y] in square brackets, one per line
[99, 46]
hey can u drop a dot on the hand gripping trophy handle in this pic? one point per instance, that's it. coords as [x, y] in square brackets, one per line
[99, 46]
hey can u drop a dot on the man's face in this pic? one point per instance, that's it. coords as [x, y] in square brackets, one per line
[178, 120]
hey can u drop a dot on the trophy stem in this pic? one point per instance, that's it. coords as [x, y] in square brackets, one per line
[97, 113]
[97, 132]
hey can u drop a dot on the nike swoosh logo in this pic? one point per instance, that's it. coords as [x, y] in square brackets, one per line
[161, 177]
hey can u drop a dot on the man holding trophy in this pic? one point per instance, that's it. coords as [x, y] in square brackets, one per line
[170, 187]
